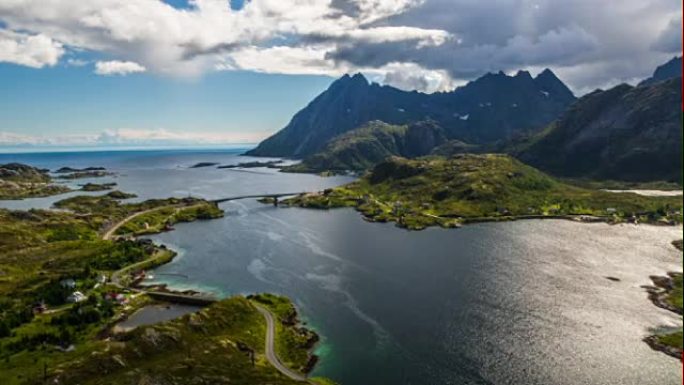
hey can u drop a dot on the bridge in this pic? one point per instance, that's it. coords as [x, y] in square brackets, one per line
[195, 300]
[274, 196]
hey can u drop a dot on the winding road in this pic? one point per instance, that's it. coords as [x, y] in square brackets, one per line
[112, 230]
[271, 355]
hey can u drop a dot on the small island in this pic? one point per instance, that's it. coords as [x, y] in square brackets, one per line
[255, 164]
[97, 187]
[203, 164]
[19, 181]
[68, 170]
[85, 174]
[120, 195]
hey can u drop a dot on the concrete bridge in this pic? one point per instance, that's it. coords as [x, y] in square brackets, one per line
[274, 196]
[195, 300]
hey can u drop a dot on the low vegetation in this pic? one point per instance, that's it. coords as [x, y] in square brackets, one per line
[45, 258]
[293, 342]
[19, 181]
[63, 288]
[165, 217]
[362, 148]
[222, 344]
[471, 188]
[672, 339]
[104, 210]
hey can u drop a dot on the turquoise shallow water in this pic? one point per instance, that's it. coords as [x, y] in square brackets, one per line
[507, 303]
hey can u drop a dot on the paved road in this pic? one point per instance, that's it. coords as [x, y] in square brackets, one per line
[110, 233]
[270, 349]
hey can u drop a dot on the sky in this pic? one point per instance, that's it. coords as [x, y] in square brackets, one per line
[142, 72]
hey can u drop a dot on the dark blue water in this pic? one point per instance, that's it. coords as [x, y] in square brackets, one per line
[507, 303]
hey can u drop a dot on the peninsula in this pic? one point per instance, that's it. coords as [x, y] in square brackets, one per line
[65, 283]
[467, 188]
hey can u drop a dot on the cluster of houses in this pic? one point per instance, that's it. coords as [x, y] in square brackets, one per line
[119, 298]
[75, 296]
[78, 296]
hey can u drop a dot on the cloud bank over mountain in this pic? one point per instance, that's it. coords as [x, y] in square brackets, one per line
[428, 45]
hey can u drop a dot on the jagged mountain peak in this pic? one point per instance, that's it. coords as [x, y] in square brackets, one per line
[669, 70]
[549, 83]
[351, 80]
[490, 108]
[523, 74]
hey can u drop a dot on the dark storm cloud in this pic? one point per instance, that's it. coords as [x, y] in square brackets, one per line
[585, 40]
[670, 40]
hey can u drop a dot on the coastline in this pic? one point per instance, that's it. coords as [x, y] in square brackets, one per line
[456, 222]
[163, 293]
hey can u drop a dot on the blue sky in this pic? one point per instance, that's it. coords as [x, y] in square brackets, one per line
[122, 72]
[64, 100]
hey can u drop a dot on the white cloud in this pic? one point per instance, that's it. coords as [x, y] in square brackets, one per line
[116, 67]
[34, 51]
[76, 62]
[312, 60]
[670, 39]
[373, 10]
[411, 76]
[419, 39]
[145, 137]
[132, 137]
[191, 41]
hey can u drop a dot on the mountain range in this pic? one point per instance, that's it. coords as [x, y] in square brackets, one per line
[624, 133]
[493, 107]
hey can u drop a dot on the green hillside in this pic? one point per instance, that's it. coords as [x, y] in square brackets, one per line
[466, 188]
[364, 147]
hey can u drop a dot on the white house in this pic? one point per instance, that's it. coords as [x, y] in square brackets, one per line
[76, 296]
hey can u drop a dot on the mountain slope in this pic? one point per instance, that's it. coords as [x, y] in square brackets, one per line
[669, 70]
[493, 107]
[362, 148]
[625, 133]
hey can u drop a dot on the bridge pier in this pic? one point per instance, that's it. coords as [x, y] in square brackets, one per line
[275, 201]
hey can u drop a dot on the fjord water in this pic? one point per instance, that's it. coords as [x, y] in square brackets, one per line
[523, 302]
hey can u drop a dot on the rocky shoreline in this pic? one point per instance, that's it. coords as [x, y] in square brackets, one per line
[659, 293]
[664, 294]
[291, 321]
[655, 344]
